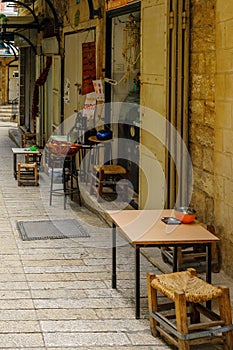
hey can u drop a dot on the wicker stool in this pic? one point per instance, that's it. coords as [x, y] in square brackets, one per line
[187, 291]
[106, 175]
[27, 174]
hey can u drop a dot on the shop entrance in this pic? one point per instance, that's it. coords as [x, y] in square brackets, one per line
[123, 67]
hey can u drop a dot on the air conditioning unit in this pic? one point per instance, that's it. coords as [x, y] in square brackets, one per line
[15, 74]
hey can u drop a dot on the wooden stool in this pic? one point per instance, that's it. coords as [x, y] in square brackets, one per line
[193, 256]
[186, 290]
[106, 175]
[32, 158]
[28, 139]
[27, 174]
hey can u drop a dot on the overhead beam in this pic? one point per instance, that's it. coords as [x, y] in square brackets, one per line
[26, 6]
[48, 2]
[9, 36]
[5, 26]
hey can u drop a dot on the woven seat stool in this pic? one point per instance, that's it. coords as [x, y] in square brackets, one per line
[27, 174]
[107, 175]
[185, 321]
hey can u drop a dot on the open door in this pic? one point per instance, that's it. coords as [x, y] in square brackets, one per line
[56, 90]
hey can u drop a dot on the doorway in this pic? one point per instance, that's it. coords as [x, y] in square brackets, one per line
[123, 91]
[73, 97]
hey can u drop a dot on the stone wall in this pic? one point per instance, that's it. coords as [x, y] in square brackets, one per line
[223, 155]
[202, 106]
[4, 80]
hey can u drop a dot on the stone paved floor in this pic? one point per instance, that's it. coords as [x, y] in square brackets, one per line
[56, 294]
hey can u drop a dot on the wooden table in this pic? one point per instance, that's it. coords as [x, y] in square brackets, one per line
[144, 228]
[24, 151]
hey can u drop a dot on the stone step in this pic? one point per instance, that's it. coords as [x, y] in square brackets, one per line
[8, 112]
[6, 119]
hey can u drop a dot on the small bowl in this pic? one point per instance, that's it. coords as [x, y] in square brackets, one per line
[185, 214]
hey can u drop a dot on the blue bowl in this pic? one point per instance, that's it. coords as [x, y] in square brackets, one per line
[104, 134]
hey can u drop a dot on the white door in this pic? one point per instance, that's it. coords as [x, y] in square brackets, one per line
[13, 93]
[73, 98]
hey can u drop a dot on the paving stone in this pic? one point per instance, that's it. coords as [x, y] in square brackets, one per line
[32, 264]
[95, 326]
[80, 303]
[42, 276]
[19, 326]
[145, 338]
[66, 314]
[67, 285]
[13, 286]
[15, 294]
[58, 294]
[118, 314]
[21, 340]
[16, 304]
[85, 339]
[16, 314]
[8, 277]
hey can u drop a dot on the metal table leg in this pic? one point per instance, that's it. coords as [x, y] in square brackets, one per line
[14, 165]
[174, 263]
[137, 281]
[208, 270]
[113, 255]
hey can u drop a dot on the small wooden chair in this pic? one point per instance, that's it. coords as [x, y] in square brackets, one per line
[188, 292]
[106, 175]
[28, 139]
[27, 174]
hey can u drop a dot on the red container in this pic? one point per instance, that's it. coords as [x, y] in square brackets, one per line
[61, 148]
[185, 214]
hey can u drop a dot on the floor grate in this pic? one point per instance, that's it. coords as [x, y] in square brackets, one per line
[51, 229]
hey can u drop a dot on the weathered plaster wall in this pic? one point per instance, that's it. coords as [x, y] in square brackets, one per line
[202, 106]
[223, 155]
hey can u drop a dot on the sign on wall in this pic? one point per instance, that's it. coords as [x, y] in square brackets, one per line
[88, 67]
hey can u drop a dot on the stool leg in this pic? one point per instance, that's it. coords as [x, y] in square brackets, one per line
[64, 184]
[51, 185]
[92, 182]
[36, 174]
[100, 186]
[19, 183]
[225, 314]
[152, 302]
[181, 319]
[194, 314]
[75, 174]
[78, 189]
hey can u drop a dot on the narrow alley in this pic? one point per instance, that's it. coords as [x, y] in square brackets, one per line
[56, 294]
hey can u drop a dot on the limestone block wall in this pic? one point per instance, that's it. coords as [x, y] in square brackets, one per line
[4, 80]
[202, 106]
[223, 153]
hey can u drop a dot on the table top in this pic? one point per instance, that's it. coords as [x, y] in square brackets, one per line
[146, 227]
[24, 151]
[94, 139]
